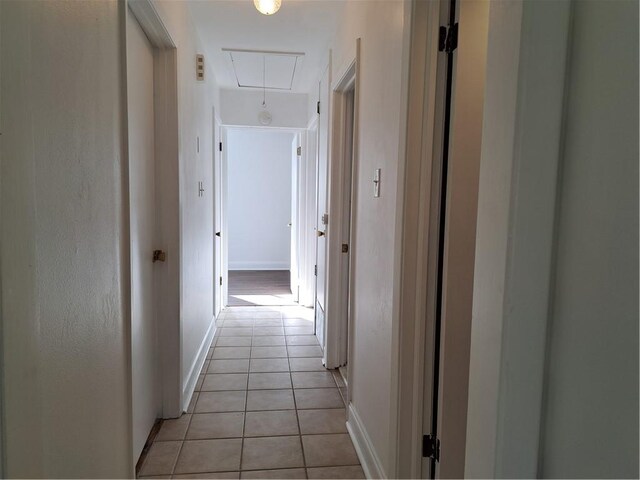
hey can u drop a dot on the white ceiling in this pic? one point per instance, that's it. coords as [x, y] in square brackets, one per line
[268, 70]
[301, 26]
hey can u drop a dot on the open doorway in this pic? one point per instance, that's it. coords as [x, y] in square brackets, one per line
[259, 209]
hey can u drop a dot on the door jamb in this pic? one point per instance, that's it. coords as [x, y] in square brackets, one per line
[418, 260]
[340, 297]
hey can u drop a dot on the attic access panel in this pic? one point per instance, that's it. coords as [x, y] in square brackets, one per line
[274, 70]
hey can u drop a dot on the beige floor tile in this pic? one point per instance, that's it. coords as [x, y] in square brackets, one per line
[269, 381]
[236, 331]
[310, 398]
[329, 450]
[224, 381]
[271, 452]
[298, 312]
[297, 322]
[268, 365]
[302, 340]
[268, 341]
[238, 322]
[323, 421]
[338, 378]
[215, 425]
[298, 331]
[270, 400]
[304, 351]
[161, 458]
[173, 429]
[229, 366]
[335, 472]
[220, 353]
[267, 424]
[271, 331]
[199, 383]
[233, 342]
[199, 456]
[205, 366]
[268, 322]
[283, 473]
[210, 402]
[192, 402]
[313, 380]
[211, 476]
[343, 394]
[268, 352]
[306, 364]
[153, 476]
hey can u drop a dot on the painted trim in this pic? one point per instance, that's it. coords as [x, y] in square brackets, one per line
[363, 445]
[413, 379]
[259, 265]
[189, 385]
[339, 293]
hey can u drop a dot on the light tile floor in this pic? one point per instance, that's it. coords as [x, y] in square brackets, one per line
[264, 406]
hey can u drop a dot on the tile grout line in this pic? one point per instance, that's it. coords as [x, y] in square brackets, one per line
[244, 421]
[295, 406]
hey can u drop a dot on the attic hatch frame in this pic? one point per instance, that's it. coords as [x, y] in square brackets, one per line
[265, 54]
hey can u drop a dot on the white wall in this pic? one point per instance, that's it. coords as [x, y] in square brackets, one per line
[64, 253]
[241, 108]
[259, 198]
[592, 353]
[383, 28]
[195, 102]
[555, 320]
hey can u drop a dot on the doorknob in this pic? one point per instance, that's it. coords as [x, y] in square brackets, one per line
[217, 234]
[319, 233]
[159, 256]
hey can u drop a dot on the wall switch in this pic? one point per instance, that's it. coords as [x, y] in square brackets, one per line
[376, 183]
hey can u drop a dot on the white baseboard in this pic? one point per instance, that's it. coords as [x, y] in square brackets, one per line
[189, 385]
[259, 265]
[364, 448]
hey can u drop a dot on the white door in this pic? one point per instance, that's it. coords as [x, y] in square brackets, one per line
[321, 213]
[145, 392]
[293, 224]
[217, 217]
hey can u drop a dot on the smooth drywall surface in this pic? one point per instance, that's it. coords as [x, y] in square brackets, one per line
[195, 119]
[592, 364]
[242, 107]
[259, 198]
[383, 29]
[518, 176]
[64, 254]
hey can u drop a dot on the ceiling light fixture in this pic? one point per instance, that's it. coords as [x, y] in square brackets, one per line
[267, 7]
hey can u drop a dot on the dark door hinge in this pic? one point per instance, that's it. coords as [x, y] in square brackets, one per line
[448, 38]
[220, 146]
[315, 270]
[318, 107]
[431, 447]
[220, 281]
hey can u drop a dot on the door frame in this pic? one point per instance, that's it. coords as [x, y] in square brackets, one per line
[438, 244]
[218, 298]
[340, 291]
[168, 223]
[224, 128]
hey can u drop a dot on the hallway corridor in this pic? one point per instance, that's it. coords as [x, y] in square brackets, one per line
[264, 406]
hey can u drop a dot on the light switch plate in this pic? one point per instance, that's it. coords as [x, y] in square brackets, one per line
[376, 183]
